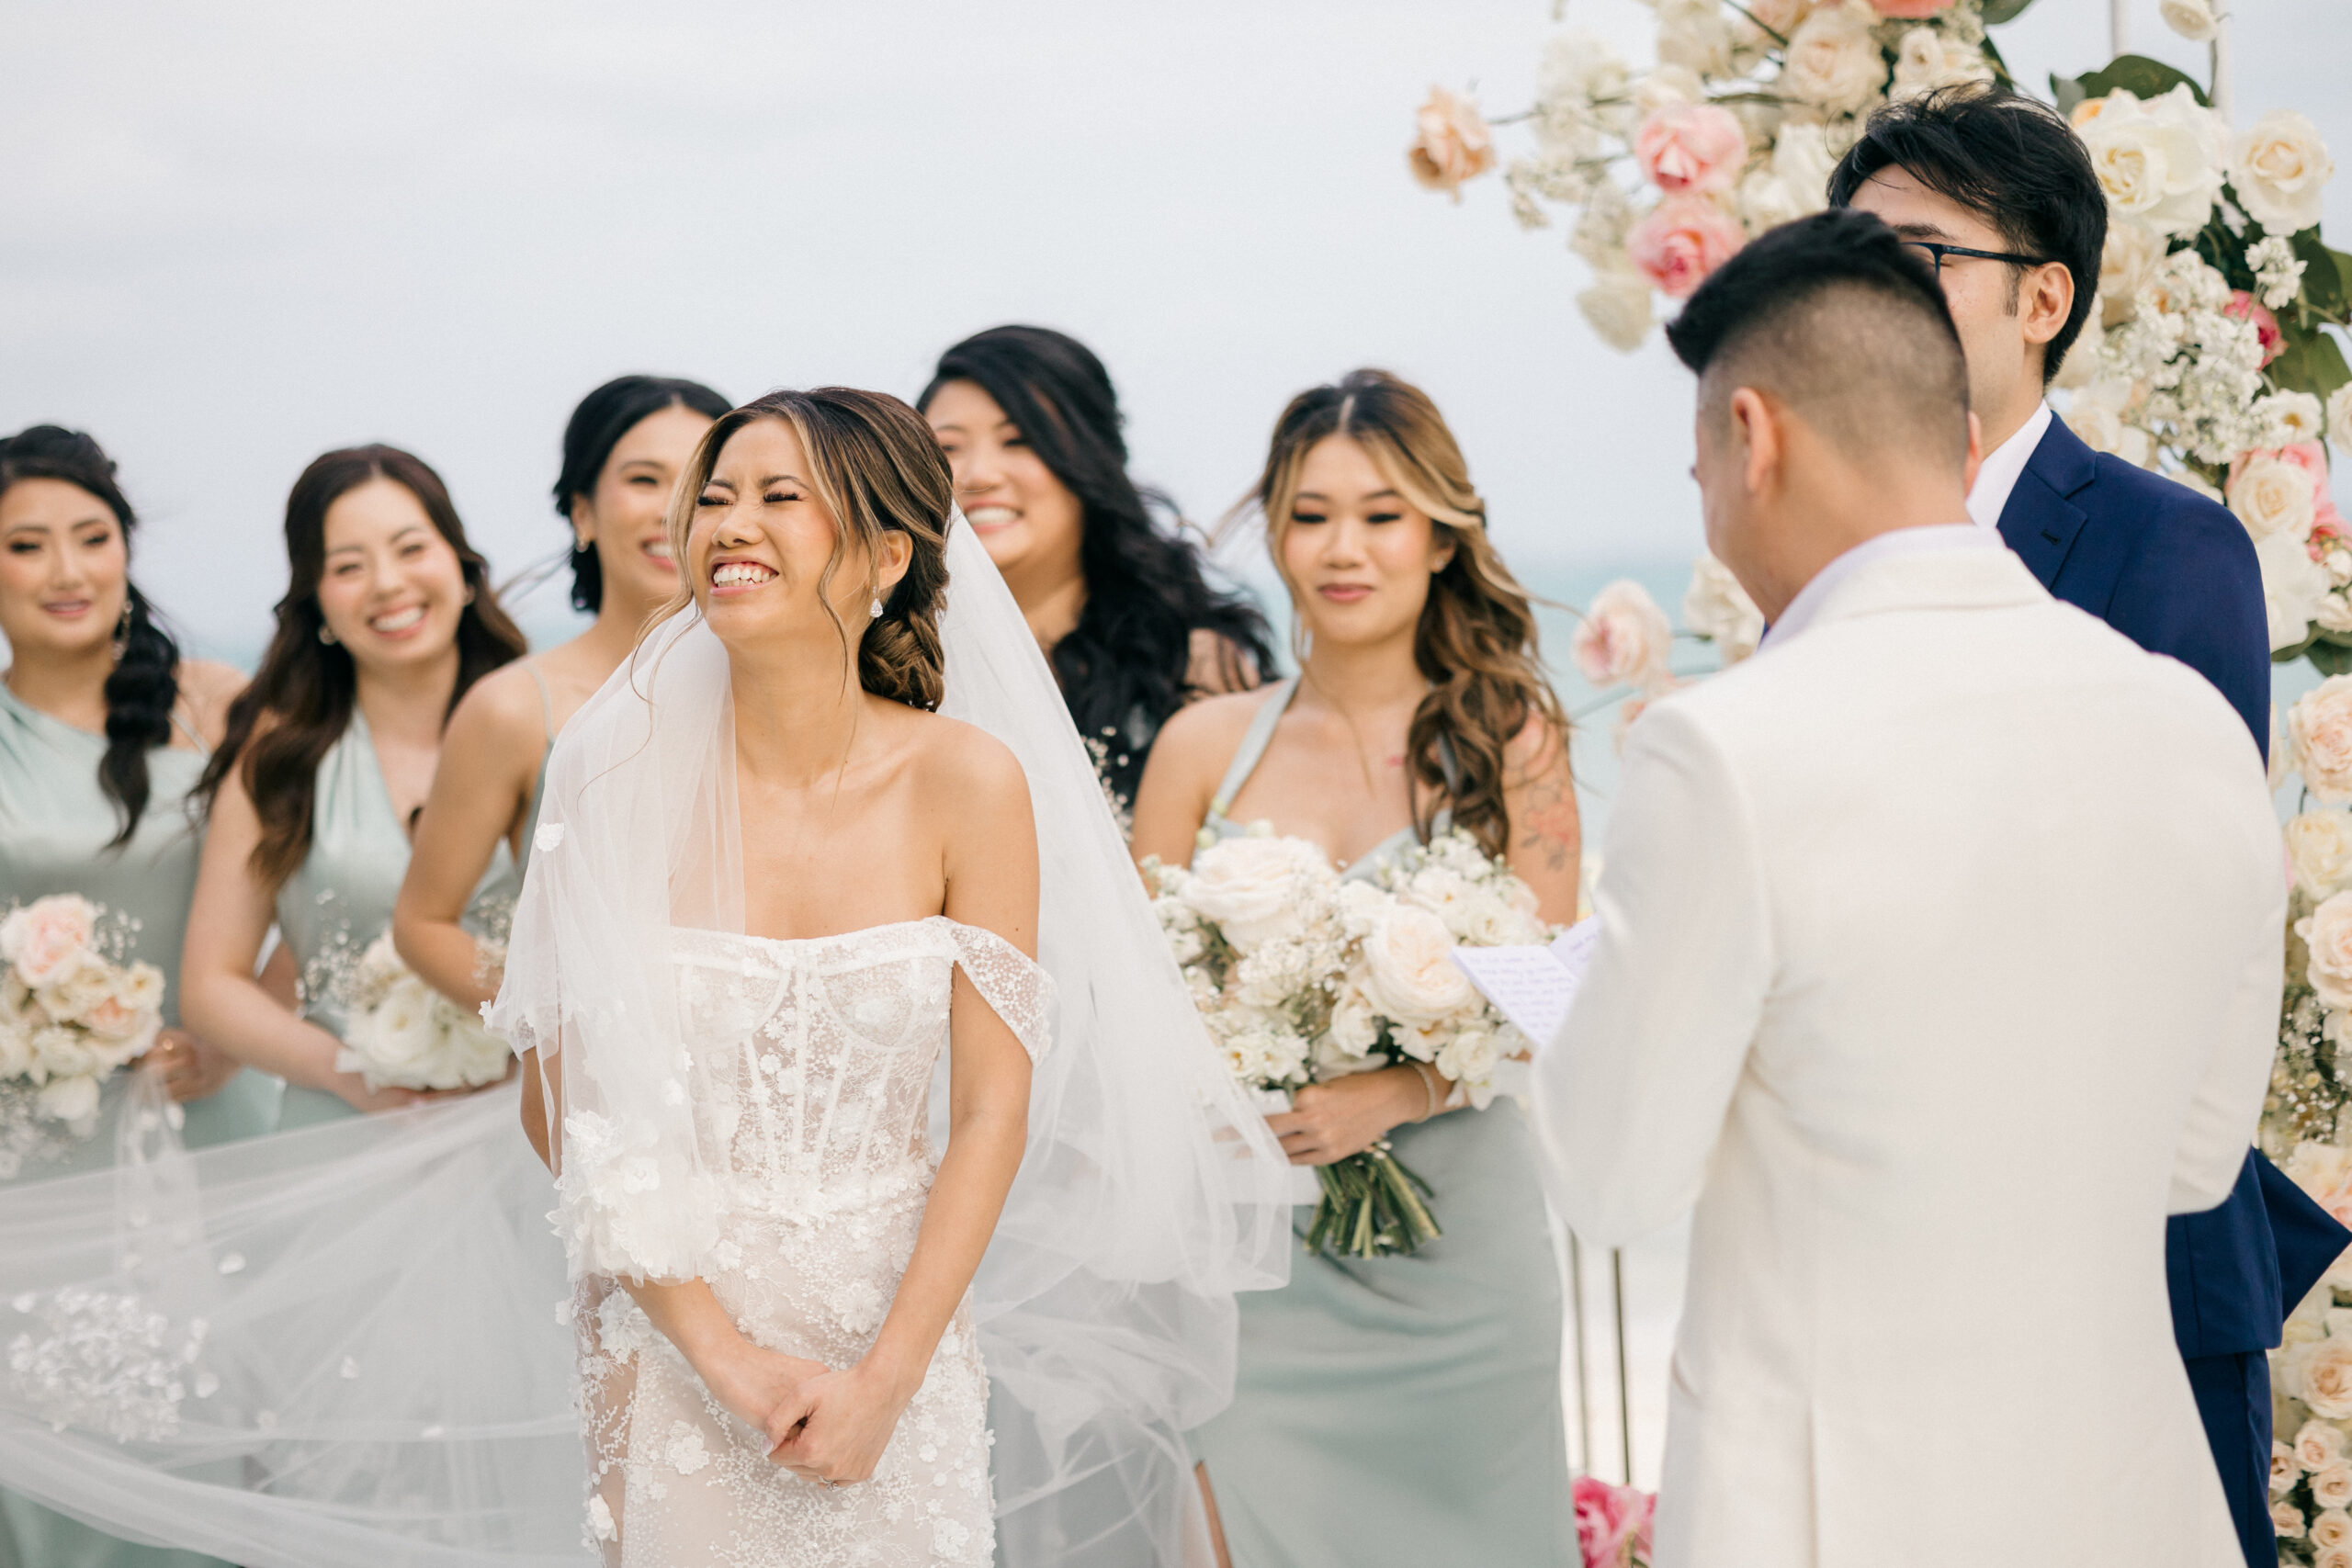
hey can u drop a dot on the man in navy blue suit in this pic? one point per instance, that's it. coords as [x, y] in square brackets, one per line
[1999, 194]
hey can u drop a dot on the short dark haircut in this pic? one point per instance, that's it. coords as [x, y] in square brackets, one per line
[1836, 317]
[2011, 161]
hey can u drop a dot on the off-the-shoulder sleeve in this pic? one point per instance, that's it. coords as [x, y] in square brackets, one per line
[1012, 983]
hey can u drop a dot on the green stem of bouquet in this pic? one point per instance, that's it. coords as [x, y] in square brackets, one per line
[1372, 1207]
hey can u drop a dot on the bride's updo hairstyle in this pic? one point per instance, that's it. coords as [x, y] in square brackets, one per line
[1477, 640]
[877, 468]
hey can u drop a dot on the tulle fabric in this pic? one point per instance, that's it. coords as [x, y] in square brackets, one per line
[332, 1349]
[1151, 1192]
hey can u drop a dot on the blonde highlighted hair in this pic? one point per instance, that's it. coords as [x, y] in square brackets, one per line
[877, 468]
[1476, 643]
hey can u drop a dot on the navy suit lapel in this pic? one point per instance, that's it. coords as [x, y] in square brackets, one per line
[2039, 522]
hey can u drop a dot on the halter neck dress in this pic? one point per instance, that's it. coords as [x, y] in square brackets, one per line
[340, 898]
[55, 823]
[1402, 1409]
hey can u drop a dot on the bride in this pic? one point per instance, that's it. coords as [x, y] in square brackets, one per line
[767, 889]
[771, 883]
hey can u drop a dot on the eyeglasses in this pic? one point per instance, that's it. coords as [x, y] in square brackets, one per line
[1937, 253]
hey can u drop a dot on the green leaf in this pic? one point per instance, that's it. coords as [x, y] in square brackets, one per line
[2136, 74]
[2327, 275]
[1999, 11]
[2309, 362]
[2329, 660]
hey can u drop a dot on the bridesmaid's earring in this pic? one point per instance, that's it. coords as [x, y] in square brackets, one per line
[874, 611]
[326, 636]
[122, 632]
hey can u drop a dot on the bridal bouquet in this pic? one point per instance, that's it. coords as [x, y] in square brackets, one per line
[1613, 1523]
[1304, 976]
[71, 1012]
[400, 1032]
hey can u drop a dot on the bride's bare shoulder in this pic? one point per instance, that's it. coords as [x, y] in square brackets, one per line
[964, 769]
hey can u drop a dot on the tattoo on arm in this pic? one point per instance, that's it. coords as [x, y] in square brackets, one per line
[1552, 829]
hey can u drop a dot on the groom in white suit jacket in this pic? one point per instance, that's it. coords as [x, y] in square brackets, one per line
[1939, 961]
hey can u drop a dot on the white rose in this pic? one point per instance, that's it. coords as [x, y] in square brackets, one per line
[1833, 59]
[1667, 85]
[2097, 425]
[2286, 1521]
[2338, 1555]
[2295, 588]
[1624, 638]
[2279, 169]
[73, 1100]
[2271, 495]
[2339, 418]
[2126, 263]
[2327, 931]
[474, 1055]
[2331, 1488]
[1926, 59]
[1617, 307]
[59, 1052]
[2159, 161]
[82, 984]
[2319, 843]
[1409, 973]
[2284, 1471]
[1801, 157]
[2192, 19]
[1579, 66]
[1717, 608]
[49, 937]
[1766, 202]
[2319, 1445]
[16, 1051]
[2320, 1375]
[1469, 1060]
[397, 1039]
[1252, 886]
[1354, 1028]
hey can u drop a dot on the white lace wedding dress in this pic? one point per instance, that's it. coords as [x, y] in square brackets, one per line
[814, 1076]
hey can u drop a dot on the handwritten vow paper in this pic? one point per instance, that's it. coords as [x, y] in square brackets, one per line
[1532, 985]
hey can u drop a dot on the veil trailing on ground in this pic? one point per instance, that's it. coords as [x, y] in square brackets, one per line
[1148, 1194]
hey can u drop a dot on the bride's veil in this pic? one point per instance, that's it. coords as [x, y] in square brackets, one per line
[343, 1347]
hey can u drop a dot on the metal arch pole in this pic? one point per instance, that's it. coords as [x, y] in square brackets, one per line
[2221, 94]
[2119, 30]
[1584, 1396]
[1624, 1394]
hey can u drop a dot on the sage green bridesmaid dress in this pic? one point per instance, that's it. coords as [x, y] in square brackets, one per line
[55, 826]
[1404, 1410]
[340, 898]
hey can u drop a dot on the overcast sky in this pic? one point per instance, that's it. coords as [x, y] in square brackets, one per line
[233, 235]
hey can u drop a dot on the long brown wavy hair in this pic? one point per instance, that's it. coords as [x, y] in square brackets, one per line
[1476, 642]
[307, 689]
[877, 468]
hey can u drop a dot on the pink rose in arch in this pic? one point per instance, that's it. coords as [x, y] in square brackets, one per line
[2246, 308]
[1909, 10]
[1682, 239]
[1613, 1523]
[1690, 147]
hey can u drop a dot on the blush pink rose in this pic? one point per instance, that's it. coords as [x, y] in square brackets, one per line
[1682, 239]
[1693, 147]
[46, 937]
[1909, 10]
[2327, 524]
[1613, 1522]
[2246, 308]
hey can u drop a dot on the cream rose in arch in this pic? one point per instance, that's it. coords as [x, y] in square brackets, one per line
[1833, 58]
[2319, 846]
[2295, 588]
[2158, 160]
[2319, 1445]
[2287, 1521]
[2331, 1488]
[1617, 307]
[2339, 418]
[1451, 143]
[2320, 1375]
[1717, 608]
[2270, 496]
[2319, 729]
[2327, 931]
[2280, 170]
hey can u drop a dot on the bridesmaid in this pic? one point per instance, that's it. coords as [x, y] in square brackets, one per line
[104, 729]
[1122, 607]
[1399, 1409]
[628, 441]
[388, 618]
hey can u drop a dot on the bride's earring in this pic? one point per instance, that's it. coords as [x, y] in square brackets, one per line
[874, 611]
